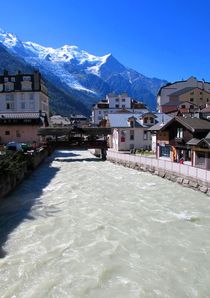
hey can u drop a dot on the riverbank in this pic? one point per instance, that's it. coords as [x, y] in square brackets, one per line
[188, 176]
[15, 166]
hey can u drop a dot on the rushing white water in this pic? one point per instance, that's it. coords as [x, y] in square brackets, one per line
[79, 227]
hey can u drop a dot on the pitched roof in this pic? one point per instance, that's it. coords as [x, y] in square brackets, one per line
[121, 120]
[19, 115]
[193, 142]
[162, 120]
[192, 124]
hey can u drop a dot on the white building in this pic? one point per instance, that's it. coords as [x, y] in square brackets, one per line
[23, 93]
[166, 91]
[130, 131]
[115, 104]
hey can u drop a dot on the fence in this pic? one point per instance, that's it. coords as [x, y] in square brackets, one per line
[182, 170]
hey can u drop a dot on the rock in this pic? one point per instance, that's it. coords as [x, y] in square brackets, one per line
[179, 180]
[185, 182]
[203, 189]
[193, 184]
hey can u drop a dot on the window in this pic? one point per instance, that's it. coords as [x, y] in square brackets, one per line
[123, 106]
[151, 120]
[116, 106]
[183, 106]
[9, 106]
[7, 133]
[207, 99]
[13, 79]
[191, 107]
[131, 123]
[179, 132]
[145, 135]
[117, 99]
[23, 105]
[165, 150]
[145, 120]
[192, 93]
[201, 93]
[31, 96]
[6, 79]
[131, 146]
[201, 98]
[191, 99]
[123, 99]
[99, 112]
[9, 87]
[18, 135]
[9, 97]
[131, 134]
[26, 78]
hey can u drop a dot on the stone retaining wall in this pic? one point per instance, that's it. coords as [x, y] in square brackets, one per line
[138, 164]
[9, 182]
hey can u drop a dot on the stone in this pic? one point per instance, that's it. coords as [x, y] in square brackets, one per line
[179, 180]
[185, 182]
[203, 189]
[193, 184]
[173, 178]
[162, 174]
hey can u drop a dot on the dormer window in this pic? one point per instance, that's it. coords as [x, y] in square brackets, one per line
[145, 119]
[131, 123]
[26, 78]
[6, 79]
[151, 120]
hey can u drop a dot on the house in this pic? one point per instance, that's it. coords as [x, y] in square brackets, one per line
[79, 120]
[59, 121]
[130, 131]
[191, 90]
[201, 152]
[113, 103]
[177, 137]
[21, 127]
[24, 106]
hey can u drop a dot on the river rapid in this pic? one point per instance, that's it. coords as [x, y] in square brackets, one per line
[83, 228]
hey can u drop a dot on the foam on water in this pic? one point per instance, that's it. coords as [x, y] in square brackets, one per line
[93, 229]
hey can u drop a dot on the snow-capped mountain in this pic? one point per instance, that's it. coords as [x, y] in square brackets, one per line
[74, 69]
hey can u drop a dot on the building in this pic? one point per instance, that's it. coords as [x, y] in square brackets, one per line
[176, 138]
[79, 120]
[191, 90]
[24, 106]
[201, 152]
[59, 121]
[130, 131]
[116, 104]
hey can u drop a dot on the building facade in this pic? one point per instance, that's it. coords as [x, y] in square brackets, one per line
[24, 107]
[116, 104]
[191, 90]
[22, 93]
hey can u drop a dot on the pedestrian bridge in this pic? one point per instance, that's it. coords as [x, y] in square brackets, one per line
[71, 137]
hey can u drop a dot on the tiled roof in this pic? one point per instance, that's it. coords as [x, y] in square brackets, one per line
[193, 142]
[193, 124]
[19, 116]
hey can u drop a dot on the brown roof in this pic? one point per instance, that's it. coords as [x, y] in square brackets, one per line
[193, 124]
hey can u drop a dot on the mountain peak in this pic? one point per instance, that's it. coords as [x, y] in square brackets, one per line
[8, 39]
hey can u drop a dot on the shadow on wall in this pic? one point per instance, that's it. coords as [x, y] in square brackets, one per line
[16, 207]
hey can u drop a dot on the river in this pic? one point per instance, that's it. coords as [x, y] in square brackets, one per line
[83, 228]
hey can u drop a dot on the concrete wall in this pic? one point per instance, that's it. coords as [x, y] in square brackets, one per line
[185, 174]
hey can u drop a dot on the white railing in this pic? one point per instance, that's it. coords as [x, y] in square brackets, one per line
[166, 165]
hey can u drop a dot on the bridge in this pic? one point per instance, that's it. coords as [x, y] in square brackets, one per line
[76, 138]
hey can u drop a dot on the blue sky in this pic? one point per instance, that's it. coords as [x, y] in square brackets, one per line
[159, 38]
